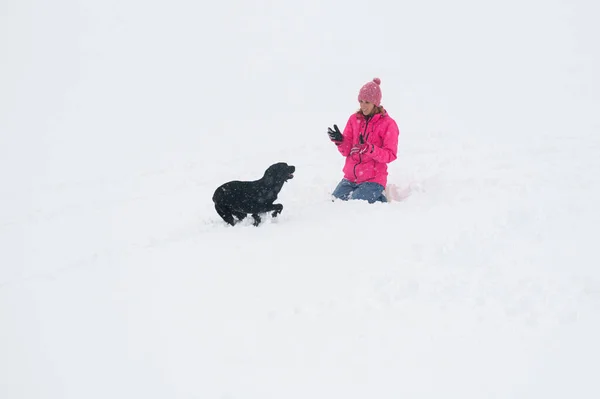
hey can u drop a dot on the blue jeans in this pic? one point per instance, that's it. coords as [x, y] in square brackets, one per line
[368, 191]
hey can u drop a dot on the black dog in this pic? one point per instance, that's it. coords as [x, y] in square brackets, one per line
[240, 198]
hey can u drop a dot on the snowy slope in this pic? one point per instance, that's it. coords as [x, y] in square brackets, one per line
[118, 279]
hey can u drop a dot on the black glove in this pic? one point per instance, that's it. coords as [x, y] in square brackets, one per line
[335, 135]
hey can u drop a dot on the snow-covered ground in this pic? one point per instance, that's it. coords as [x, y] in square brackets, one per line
[118, 119]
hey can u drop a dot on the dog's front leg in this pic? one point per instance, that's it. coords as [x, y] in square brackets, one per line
[277, 209]
[256, 219]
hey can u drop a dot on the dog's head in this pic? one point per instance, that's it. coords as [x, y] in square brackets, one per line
[280, 172]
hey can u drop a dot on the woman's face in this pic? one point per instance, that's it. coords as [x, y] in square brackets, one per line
[366, 107]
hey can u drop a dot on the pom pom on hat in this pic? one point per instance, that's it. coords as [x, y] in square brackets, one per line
[371, 92]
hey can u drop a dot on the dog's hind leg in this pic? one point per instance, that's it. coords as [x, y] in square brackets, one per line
[256, 218]
[240, 215]
[227, 216]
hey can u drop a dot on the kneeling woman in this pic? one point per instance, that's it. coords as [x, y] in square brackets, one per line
[369, 142]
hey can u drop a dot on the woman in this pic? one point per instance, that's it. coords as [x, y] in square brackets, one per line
[369, 142]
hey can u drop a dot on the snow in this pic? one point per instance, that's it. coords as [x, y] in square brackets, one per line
[119, 280]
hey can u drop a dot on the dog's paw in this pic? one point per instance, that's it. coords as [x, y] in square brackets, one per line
[278, 209]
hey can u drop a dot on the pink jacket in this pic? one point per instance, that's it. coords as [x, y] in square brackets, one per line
[381, 131]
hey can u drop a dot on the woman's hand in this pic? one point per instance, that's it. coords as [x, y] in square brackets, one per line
[365, 148]
[335, 134]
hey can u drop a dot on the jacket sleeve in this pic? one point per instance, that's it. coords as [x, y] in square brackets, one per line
[348, 133]
[388, 152]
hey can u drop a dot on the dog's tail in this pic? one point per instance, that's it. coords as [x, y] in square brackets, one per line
[218, 194]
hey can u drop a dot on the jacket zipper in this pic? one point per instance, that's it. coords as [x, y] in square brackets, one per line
[366, 136]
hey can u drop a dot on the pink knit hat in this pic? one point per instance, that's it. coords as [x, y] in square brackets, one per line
[371, 92]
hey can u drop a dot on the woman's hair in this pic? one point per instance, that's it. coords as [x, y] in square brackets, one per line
[376, 110]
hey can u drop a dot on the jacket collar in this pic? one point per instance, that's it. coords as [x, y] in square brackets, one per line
[374, 118]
